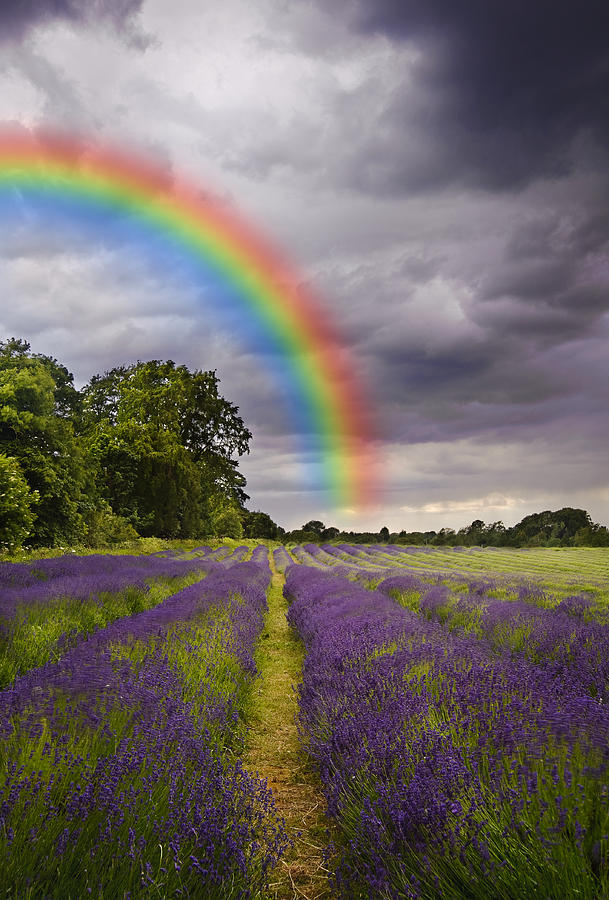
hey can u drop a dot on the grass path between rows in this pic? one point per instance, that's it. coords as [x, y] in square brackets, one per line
[273, 750]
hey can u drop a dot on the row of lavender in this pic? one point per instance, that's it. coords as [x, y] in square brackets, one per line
[453, 771]
[118, 773]
[568, 635]
[49, 605]
[566, 639]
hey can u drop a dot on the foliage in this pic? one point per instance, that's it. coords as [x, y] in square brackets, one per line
[260, 525]
[315, 526]
[452, 753]
[121, 775]
[567, 527]
[225, 520]
[16, 501]
[103, 528]
[47, 608]
[300, 536]
[163, 439]
[43, 443]
[149, 478]
[144, 449]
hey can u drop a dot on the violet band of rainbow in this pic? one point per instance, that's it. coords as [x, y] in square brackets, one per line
[323, 384]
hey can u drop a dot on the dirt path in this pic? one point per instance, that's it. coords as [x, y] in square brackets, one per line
[273, 750]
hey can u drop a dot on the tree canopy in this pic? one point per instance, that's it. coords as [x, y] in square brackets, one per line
[149, 448]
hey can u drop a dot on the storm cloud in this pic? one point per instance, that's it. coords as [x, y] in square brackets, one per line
[17, 17]
[503, 91]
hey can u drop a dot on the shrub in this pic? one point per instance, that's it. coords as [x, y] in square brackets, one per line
[104, 528]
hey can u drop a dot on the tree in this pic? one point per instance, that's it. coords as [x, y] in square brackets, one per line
[314, 526]
[559, 526]
[103, 528]
[301, 536]
[592, 536]
[149, 479]
[259, 525]
[67, 400]
[173, 399]
[444, 536]
[173, 408]
[226, 521]
[384, 534]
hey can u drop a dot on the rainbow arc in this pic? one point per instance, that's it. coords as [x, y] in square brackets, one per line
[324, 398]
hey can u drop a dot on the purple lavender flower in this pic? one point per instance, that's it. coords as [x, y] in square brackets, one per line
[129, 788]
[444, 764]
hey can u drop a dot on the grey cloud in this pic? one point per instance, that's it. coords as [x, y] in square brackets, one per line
[532, 278]
[18, 16]
[472, 315]
[62, 99]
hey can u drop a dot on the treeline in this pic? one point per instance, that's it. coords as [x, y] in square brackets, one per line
[151, 450]
[148, 449]
[565, 527]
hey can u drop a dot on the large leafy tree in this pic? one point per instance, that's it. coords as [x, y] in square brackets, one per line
[149, 479]
[165, 442]
[259, 525]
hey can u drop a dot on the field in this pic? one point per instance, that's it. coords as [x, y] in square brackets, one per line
[335, 721]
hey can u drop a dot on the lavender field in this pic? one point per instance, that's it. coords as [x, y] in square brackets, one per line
[452, 704]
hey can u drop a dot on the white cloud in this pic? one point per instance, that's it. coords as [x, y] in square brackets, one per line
[491, 501]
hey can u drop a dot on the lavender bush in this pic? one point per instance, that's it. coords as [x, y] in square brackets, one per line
[282, 559]
[118, 770]
[565, 638]
[260, 556]
[452, 774]
[48, 606]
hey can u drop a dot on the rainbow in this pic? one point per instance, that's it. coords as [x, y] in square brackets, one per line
[324, 398]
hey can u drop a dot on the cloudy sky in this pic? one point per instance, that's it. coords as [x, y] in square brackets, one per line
[439, 172]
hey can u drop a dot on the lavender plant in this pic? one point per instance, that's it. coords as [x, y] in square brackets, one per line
[118, 771]
[260, 555]
[564, 638]
[452, 773]
[47, 607]
[282, 559]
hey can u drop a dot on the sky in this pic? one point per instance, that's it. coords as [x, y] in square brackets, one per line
[437, 171]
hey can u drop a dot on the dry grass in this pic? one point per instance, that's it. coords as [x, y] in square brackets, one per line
[274, 751]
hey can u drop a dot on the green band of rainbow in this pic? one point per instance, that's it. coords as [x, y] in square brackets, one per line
[290, 316]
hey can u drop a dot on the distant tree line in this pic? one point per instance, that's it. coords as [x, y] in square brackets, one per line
[148, 449]
[565, 527]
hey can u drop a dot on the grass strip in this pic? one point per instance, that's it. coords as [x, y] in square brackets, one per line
[273, 750]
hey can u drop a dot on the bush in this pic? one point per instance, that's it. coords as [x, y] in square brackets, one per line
[103, 528]
[16, 501]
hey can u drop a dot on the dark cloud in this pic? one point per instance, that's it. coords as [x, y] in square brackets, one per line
[507, 88]
[18, 16]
